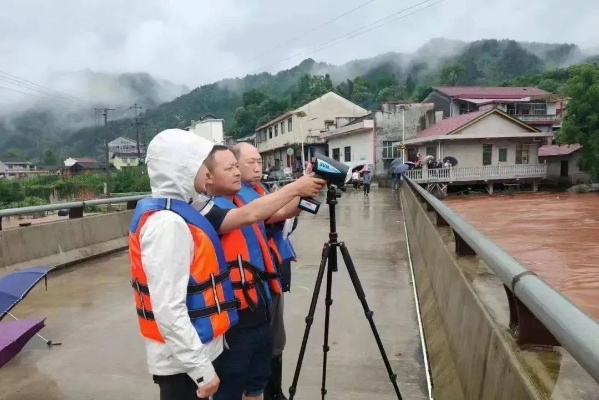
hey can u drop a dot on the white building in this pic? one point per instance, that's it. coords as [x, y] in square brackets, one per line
[210, 128]
[280, 140]
[353, 143]
[371, 140]
[124, 145]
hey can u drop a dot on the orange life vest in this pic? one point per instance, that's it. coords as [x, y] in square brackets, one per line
[253, 272]
[281, 247]
[211, 302]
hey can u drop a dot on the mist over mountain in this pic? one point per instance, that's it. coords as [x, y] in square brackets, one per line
[73, 132]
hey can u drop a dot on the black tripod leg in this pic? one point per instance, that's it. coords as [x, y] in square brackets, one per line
[328, 302]
[310, 318]
[353, 274]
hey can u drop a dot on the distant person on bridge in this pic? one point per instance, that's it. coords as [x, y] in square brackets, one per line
[183, 294]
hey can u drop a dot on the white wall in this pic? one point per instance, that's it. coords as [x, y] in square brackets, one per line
[326, 108]
[575, 175]
[210, 129]
[361, 147]
[469, 153]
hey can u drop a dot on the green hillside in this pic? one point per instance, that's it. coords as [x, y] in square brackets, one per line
[246, 102]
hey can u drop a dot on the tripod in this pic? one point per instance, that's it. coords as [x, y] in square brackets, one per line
[329, 253]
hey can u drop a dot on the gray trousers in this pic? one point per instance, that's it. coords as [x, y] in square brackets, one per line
[277, 325]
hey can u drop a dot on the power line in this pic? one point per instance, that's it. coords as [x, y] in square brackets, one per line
[355, 33]
[305, 33]
[35, 95]
[35, 86]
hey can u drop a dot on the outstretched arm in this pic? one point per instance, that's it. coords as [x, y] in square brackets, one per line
[290, 210]
[263, 208]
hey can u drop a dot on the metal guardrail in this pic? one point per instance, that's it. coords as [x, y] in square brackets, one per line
[68, 206]
[75, 207]
[534, 304]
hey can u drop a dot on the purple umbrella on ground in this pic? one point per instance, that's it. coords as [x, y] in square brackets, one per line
[16, 285]
[14, 335]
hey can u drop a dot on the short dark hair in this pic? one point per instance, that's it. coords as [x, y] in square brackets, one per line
[210, 162]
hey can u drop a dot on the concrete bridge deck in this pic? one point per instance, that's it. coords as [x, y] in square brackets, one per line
[90, 310]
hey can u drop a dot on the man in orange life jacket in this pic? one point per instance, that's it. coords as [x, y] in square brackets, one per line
[244, 367]
[183, 293]
[250, 166]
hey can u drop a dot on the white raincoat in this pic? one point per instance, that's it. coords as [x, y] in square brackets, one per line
[173, 158]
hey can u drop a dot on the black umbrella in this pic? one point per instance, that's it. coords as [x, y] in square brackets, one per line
[452, 160]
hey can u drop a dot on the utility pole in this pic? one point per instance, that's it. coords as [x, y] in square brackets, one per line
[107, 157]
[138, 123]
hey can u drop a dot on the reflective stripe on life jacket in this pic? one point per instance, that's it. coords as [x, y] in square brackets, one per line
[253, 272]
[211, 303]
[281, 247]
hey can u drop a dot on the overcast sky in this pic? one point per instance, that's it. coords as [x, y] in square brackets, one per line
[199, 41]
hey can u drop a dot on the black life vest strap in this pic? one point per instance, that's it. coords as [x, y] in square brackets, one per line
[197, 313]
[257, 283]
[256, 272]
[191, 289]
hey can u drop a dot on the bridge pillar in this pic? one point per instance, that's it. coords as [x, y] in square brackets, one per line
[528, 331]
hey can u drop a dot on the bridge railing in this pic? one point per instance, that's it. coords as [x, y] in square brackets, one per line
[482, 173]
[539, 314]
[76, 208]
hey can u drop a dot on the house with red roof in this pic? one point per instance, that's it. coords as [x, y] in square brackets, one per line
[563, 163]
[532, 105]
[488, 146]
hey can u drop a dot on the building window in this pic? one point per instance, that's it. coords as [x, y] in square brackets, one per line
[432, 151]
[289, 124]
[282, 127]
[347, 153]
[522, 154]
[276, 130]
[270, 132]
[539, 109]
[502, 155]
[487, 154]
[336, 154]
[390, 151]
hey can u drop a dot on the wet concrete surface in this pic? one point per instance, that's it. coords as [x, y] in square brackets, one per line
[90, 310]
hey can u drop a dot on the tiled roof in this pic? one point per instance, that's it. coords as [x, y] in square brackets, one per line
[85, 160]
[551, 150]
[448, 125]
[490, 92]
[274, 121]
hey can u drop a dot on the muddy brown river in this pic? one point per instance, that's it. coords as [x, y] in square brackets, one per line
[555, 235]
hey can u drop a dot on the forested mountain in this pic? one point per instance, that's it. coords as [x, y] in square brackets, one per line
[246, 102]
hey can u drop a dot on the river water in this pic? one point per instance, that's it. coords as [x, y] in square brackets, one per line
[555, 235]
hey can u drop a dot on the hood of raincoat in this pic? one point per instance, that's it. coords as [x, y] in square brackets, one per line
[173, 158]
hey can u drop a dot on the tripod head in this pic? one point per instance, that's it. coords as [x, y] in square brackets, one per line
[334, 193]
